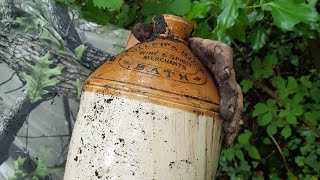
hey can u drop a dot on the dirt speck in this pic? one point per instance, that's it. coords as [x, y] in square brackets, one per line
[97, 174]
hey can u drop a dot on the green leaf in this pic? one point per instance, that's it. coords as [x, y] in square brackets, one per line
[281, 123]
[291, 119]
[294, 143]
[264, 69]
[180, 7]
[19, 173]
[315, 94]
[305, 149]
[297, 110]
[18, 163]
[258, 37]
[312, 116]
[285, 88]
[79, 51]
[265, 119]
[126, 16]
[229, 153]
[253, 152]
[267, 141]
[177, 7]
[244, 137]
[271, 104]
[298, 99]
[292, 83]
[246, 85]
[259, 109]
[286, 131]
[271, 59]
[310, 136]
[288, 13]
[157, 7]
[226, 18]
[79, 86]
[94, 14]
[42, 169]
[239, 154]
[31, 25]
[272, 129]
[244, 167]
[41, 77]
[111, 5]
[198, 10]
[254, 16]
[238, 31]
[299, 160]
[279, 82]
[305, 81]
[202, 30]
[294, 60]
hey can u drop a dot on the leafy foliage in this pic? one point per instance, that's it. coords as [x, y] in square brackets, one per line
[226, 18]
[287, 14]
[79, 85]
[40, 78]
[271, 42]
[79, 51]
[110, 5]
[34, 26]
[42, 171]
[258, 38]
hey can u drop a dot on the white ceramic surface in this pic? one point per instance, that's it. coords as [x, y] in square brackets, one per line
[120, 138]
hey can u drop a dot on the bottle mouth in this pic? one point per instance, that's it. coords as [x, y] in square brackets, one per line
[167, 24]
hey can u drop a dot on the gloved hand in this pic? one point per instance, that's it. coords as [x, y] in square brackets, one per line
[218, 58]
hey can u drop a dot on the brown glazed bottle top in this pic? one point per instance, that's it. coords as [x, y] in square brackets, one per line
[175, 25]
[162, 71]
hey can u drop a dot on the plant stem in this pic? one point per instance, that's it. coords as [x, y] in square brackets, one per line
[280, 151]
[256, 6]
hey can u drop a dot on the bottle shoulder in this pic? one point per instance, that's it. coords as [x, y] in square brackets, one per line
[165, 67]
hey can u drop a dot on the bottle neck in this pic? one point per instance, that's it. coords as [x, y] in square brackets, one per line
[171, 27]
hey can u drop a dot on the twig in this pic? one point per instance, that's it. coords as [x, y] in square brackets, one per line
[281, 153]
[63, 149]
[67, 111]
[45, 136]
[266, 157]
[12, 122]
[27, 133]
[238, 48]
[8, 79]
[14, 89]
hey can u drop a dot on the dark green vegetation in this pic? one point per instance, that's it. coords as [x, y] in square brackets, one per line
[277, 59]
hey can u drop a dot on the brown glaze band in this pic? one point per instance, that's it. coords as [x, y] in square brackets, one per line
[146, 94]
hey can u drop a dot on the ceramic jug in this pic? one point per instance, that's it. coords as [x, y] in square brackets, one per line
[151, 113]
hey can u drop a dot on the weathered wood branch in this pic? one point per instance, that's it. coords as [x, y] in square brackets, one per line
[17, 50]
[12, 123]
[92, 57]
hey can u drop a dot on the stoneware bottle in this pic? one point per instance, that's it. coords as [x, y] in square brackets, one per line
[151, 113]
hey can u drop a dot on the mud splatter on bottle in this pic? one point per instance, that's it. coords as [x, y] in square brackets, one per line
[151, 113]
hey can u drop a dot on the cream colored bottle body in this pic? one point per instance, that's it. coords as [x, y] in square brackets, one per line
[121, 138]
